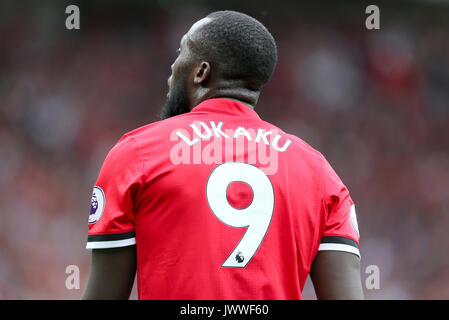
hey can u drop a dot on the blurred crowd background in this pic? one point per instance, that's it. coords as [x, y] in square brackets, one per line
[375, 103]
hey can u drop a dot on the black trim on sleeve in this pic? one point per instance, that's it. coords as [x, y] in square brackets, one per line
[340, 240]
[111, 237]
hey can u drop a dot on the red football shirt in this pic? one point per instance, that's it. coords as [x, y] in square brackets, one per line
[221, 205]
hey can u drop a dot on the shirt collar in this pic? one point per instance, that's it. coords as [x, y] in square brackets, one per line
[226, 107]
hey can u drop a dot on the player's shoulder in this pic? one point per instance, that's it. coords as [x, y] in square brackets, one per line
[152, 137]
[300, 147]
[153, 128]
[313, 159]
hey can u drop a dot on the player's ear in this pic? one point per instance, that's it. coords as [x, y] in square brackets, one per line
[201, 73]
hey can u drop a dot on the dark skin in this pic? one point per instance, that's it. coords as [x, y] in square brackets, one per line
[111, 274]
[335, 275]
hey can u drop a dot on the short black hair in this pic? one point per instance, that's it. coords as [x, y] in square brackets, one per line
[238, 46]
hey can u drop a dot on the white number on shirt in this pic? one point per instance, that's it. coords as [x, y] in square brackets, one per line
[257, 216]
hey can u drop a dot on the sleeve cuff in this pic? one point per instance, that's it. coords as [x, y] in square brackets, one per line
[104, 241]
[336, 243]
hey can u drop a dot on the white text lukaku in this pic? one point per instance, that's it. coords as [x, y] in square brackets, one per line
[205, 132]
[207, 143]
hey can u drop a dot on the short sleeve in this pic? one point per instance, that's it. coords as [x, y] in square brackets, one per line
[112, 214]
[341, 231]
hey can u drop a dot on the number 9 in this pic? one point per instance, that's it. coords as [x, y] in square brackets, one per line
[257, 216]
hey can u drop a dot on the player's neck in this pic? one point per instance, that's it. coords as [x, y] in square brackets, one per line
[238, 100]
[244, 96]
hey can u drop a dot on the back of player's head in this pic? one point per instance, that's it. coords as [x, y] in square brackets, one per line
[237, 46]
